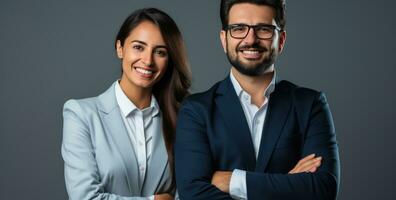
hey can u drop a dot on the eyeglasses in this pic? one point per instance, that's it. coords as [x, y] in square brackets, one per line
[262, 31]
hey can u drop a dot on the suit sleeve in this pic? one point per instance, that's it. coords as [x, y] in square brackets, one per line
[193, 160]
[82, 177]
[320, 139]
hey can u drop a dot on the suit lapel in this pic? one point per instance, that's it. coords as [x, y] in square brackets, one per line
[234, 117]
[117, 133]
[278, 110]
[159, 160]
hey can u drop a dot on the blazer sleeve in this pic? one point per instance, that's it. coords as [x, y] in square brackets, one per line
[81, 171]
[193, 160]
[320, 139]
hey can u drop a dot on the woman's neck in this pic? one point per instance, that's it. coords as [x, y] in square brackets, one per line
[139, 96]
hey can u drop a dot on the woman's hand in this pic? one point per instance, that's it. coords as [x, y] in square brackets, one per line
[164, 196]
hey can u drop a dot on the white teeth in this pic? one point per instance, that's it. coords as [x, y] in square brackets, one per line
[143, 71]
[250, 52]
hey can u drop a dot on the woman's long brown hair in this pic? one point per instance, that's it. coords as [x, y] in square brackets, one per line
[174, 85]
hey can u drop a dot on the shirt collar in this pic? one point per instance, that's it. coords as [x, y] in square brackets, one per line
[239, 91]
[127, 107]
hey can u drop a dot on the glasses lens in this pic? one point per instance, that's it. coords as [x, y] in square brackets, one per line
[239, 31]
[264, 32]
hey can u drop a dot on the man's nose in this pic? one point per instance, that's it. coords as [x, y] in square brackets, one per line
[251, 37]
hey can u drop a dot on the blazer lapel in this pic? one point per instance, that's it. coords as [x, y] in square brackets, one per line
[278, 110]
[159, 161]
[117, 133]
[234, 117]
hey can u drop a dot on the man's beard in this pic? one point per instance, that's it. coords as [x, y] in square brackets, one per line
[256, 69]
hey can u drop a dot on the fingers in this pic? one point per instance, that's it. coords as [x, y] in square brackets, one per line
[312, 170]
[164, 196]
[297, 168]
[306, 158]
[307, 164]
[310, 164]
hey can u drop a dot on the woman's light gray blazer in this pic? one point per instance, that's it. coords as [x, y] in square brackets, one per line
[100, 162]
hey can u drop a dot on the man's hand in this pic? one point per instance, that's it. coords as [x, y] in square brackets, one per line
[222, 179]
[164, 196]
[307, 164]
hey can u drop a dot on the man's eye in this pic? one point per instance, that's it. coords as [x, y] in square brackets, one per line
[264, 29]
[238, 29]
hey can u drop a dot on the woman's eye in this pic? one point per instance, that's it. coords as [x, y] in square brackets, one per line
[138, 47]
[161, 53]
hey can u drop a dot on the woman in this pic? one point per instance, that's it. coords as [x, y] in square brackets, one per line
[118, 145]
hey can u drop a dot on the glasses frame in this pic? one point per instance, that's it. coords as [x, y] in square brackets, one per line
[273, 27]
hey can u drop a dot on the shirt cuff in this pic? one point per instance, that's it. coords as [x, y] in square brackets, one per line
[238, 184]
[150, 197]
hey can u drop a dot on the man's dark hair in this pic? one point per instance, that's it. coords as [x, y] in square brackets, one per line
[278, 5]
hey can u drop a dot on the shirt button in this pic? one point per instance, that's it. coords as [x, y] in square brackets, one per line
[140, 143]
[142, 168]
[258, 122]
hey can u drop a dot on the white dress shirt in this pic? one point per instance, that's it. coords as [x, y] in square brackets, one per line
[255, 117]
[141, 126]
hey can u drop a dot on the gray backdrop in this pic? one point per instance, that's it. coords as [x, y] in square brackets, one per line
[55, 50]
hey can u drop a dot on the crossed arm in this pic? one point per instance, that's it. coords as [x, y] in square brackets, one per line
[309, 164]
[200, 180]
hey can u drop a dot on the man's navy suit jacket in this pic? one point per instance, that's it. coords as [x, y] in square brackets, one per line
[212, 134]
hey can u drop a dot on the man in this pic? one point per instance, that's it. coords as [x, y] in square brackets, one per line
[252, 136]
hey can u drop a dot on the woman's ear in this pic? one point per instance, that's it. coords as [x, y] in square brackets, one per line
[119, 49]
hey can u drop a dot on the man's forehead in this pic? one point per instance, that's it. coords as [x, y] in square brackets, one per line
[251, 13]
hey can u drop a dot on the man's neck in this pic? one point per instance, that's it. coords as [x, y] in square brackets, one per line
[255, 86]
